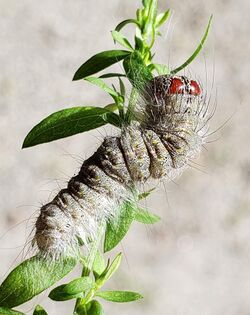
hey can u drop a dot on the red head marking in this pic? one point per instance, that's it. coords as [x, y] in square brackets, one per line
[182, 85]
[194, 88]
[177, 86]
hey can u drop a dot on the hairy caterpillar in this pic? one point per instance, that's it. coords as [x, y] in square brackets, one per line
[173, 120]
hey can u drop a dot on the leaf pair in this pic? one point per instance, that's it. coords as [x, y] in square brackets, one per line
[109, 271]
[71, 121]
[81, 287]
[84, 289]
[114, 296]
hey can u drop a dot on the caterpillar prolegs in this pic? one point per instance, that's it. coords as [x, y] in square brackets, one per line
[160, 144]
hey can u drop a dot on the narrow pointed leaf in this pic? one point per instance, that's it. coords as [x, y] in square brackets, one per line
[150, 19]
[68, 122]
[7, 311]
[39, 310]
[111, 75]
[119, 296]
[197, 50]
[99, 62]
[125, 22]
[119, 38]
[162, 18]
[110, 270]
[144, 216]
[31, 277]
[145, 194]
[101, 84]
[122, 87]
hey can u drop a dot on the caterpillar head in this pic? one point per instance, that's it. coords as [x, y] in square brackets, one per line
[172, 101]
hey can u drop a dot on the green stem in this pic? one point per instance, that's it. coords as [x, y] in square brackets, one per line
[87, 267]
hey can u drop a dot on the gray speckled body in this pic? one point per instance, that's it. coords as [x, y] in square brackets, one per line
[160, 146]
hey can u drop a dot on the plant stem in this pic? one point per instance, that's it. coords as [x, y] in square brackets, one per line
[87, 267]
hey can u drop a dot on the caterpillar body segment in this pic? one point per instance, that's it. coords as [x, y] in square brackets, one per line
[159, 146]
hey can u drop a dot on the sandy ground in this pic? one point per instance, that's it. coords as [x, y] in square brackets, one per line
[196, 261]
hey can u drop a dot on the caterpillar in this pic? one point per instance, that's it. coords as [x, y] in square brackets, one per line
[169, 134]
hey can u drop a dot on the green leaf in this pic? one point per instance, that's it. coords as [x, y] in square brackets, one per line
[144, 216]
[136, 70]
[65, 297]
[7, 311]
[139, 17]
[197, 50]
[78, 285]
[111, 75]
[122, 87]
[101, 84]
[119, 296]
[31, 277]
[161, 69]
[125, 22]
[39, 310]
[146, 2]
[119, 38]
[98, 265]
[150, 18]
[99, 62]
[68, 122]
[115, 231]
[146, 194]
[139, 45]
[162, 18]
[111, 107]
[71, 290]
[109, 271]
[94, 308]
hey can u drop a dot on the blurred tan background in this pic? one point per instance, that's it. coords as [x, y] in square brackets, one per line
[197, 260]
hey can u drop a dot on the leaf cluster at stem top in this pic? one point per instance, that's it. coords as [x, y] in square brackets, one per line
[138, 66]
